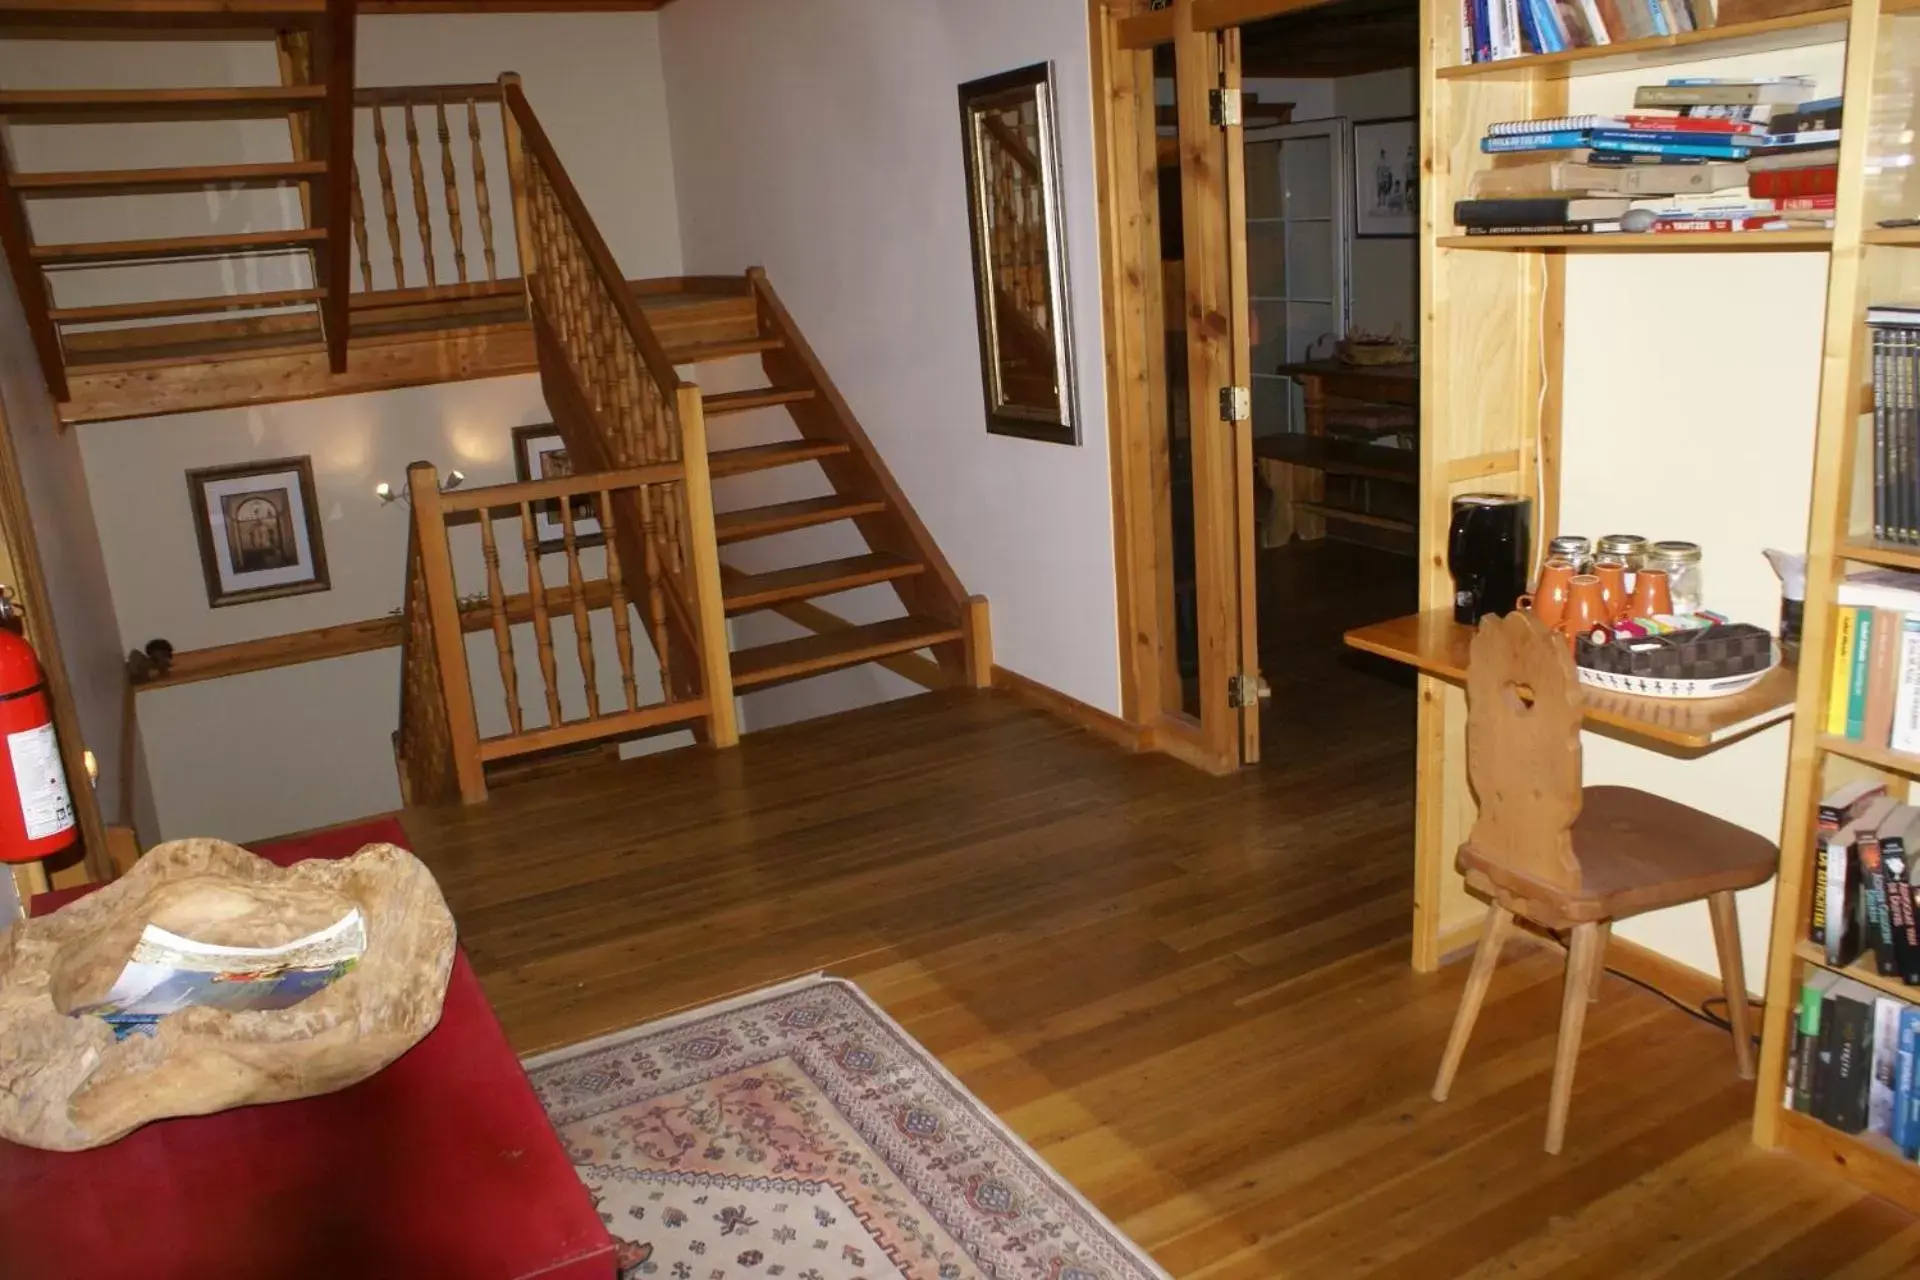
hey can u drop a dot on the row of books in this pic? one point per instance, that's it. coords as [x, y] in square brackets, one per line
[1492, 30]
[1895, 335]
[1874, 693]
[1693, 155]
[1853, 1058]
[1852, 1062]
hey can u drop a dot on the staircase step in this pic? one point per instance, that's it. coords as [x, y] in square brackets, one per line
[758, 398]
[184, 306]
[180, 246]
[759, 590]
[781, 517]
[701, 352]
[107, 182]
[764, 457]
[831, 650]
[161, 104]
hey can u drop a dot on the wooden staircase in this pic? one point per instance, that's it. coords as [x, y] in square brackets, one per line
[314, 44]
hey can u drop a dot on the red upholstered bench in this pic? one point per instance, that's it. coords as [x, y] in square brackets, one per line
[441, 1166]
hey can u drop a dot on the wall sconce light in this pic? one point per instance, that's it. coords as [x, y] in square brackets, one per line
[385, 492]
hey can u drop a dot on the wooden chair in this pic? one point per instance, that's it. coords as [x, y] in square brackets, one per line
[1572, 859]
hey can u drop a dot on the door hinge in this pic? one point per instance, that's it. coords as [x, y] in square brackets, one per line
[1236, 404]
[1246, 691]
[1223, 108]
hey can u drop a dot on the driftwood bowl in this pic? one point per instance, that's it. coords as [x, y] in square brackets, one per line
[67, 1085]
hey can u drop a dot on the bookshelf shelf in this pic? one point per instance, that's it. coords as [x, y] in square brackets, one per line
[1889, 554]
[1625, 242]
[1909, 236]
[1797, 29]
[1867, 1161]
[1859, 971]
[1879, 757]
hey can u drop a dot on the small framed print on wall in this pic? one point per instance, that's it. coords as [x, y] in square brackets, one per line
[1386, 178]
[258, 524]
[540, 454]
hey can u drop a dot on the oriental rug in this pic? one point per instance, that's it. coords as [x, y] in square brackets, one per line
[798, 1133]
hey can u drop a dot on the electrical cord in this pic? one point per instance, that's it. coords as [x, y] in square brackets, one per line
[1701, 1012]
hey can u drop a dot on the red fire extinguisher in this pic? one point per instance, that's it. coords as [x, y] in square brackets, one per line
[36, 809]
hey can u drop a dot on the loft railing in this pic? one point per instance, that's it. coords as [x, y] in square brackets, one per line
[618, 403]
[538, 567]
[431, 166]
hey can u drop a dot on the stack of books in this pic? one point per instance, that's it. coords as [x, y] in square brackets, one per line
[1895, 331]
[1874, 694]
[1852, 1061]
[1694, 155]
[1495, 29]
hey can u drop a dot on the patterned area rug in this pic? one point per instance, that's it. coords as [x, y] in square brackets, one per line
[800, 1133]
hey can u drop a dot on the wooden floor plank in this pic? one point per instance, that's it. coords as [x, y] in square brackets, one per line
[1190, 994]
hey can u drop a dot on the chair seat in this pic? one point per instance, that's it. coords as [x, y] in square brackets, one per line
[1637, 852]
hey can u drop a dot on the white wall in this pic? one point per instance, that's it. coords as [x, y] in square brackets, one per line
[823, 142]
[1690, 389]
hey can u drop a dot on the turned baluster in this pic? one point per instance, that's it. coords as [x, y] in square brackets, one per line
[656, 593]
[451, 181]
[389, 199]
[542, 628]
[622, 629]
[502, 634]
[421, 215]
[582, 624]
[358, 213]
[482, 198]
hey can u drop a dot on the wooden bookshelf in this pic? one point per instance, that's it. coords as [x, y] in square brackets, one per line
[1816, 760]
[1860, 970]
[1627, 242]
[1817, 27]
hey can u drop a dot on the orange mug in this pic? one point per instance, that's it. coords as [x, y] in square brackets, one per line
[1613, 588]
[1651, 593]
[1586, 606]
[1549, 601]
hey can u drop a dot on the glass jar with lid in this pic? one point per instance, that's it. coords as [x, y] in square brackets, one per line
[1574, 548]
[1681, 561]
[1627, 550]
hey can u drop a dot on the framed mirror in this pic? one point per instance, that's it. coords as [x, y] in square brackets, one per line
[1019, 255]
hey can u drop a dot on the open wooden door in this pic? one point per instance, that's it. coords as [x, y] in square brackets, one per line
[1219, 362]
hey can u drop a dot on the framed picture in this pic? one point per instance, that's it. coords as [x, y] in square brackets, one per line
[540, 454]
[1386, 178]
[1019, 255]
[259, 529]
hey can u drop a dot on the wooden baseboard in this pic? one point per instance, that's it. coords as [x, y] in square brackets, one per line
[1681, 983]
[1070, 709]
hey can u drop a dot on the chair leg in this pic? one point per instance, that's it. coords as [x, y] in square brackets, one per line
[1583, 957]
[1485, 957]
[1600, 960]
[1726, 940]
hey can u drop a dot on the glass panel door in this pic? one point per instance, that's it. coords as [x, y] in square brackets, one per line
[1297, 259]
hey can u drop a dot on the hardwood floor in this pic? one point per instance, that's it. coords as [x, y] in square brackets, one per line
[1190, 994]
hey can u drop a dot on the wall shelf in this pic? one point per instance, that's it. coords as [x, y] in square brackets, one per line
[1879, 757]
[1627, 242]
[1890, 554]
[1818, 27]
[1909, 236]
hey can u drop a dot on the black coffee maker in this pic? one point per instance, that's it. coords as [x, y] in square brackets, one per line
[1488, 553]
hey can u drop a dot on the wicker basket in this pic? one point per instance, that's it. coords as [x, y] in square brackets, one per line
[1376, 353]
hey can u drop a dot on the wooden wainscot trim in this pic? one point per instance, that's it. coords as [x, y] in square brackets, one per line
[1069, 708]
[1681, 983]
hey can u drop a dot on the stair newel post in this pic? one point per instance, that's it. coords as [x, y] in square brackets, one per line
[449, 638]
[703, 564]
[517, 176]
[336, 130]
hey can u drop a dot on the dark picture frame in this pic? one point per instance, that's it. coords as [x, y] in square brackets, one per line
[1014, 216]
[258, 528]
[1386, 178]
[535, 448]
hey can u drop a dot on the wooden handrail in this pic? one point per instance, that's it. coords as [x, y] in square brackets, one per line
[425, 94]
[512, 495]
[535, 140]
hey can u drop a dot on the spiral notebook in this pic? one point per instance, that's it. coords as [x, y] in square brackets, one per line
[1558, 124]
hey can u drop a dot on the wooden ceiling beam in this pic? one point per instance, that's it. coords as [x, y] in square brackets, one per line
[510, 6]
